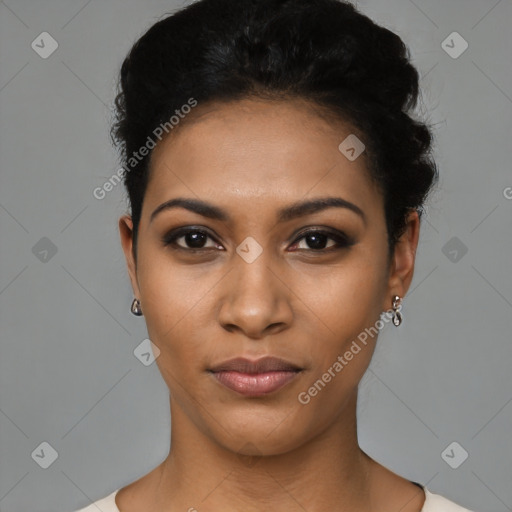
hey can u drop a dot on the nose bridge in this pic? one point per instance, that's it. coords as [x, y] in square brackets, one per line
[254, 275]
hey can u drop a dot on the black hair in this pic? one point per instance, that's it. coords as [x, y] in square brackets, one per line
[323, 51]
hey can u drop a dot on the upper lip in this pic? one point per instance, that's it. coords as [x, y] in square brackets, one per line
[262, 365]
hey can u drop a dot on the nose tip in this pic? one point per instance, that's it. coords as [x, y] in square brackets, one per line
[255, 302]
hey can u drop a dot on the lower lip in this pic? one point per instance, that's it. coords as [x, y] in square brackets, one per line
[256, 384]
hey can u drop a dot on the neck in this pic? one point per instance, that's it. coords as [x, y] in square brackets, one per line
[329, 471]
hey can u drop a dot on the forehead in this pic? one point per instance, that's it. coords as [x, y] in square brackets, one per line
[258, 153]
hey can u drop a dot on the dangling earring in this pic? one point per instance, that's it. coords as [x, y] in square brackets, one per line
[136, 309]
[397, 306]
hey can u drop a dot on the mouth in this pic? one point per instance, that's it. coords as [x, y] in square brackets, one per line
[255, 378]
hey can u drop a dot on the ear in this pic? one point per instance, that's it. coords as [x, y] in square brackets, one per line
[126, 233]
[402, 261]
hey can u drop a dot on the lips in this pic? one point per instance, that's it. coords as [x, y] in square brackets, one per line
[255, 378]
[265, 364]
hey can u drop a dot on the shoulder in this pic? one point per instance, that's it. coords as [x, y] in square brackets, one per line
[107, 504]
[437, 503]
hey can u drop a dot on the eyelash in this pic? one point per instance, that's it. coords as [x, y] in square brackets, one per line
[342, 240]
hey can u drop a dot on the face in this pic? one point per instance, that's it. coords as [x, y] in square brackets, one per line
[246, 269]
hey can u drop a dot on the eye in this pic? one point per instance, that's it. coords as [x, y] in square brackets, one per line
[317, 241]
[193, 239]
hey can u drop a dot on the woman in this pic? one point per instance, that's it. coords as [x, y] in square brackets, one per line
[276, 183]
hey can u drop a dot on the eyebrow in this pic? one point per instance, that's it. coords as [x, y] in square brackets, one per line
[298, 209]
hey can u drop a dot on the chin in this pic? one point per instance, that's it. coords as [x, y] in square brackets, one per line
[257, 434]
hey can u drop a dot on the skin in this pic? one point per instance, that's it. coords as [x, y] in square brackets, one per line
[304, 304]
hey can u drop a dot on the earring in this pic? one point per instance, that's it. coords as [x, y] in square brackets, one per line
[397, 306]
[136, 309]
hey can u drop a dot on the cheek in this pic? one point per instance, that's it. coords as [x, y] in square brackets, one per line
[177, 305]
[169, 292]
[345, 297]
[344, 303]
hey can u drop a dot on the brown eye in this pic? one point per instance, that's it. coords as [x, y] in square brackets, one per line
[193, 239]
[317, 241]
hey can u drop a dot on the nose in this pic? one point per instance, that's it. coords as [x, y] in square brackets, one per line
[255, 299]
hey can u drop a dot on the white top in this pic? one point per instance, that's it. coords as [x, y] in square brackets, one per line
[433, 503]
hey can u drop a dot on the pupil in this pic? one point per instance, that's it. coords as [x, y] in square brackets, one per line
[318, 241]
[195, 240]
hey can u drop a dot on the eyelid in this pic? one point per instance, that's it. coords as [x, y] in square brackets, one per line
[320, 229]
[341, 239]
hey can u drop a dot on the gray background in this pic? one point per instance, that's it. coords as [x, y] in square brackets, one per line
[69, 376]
